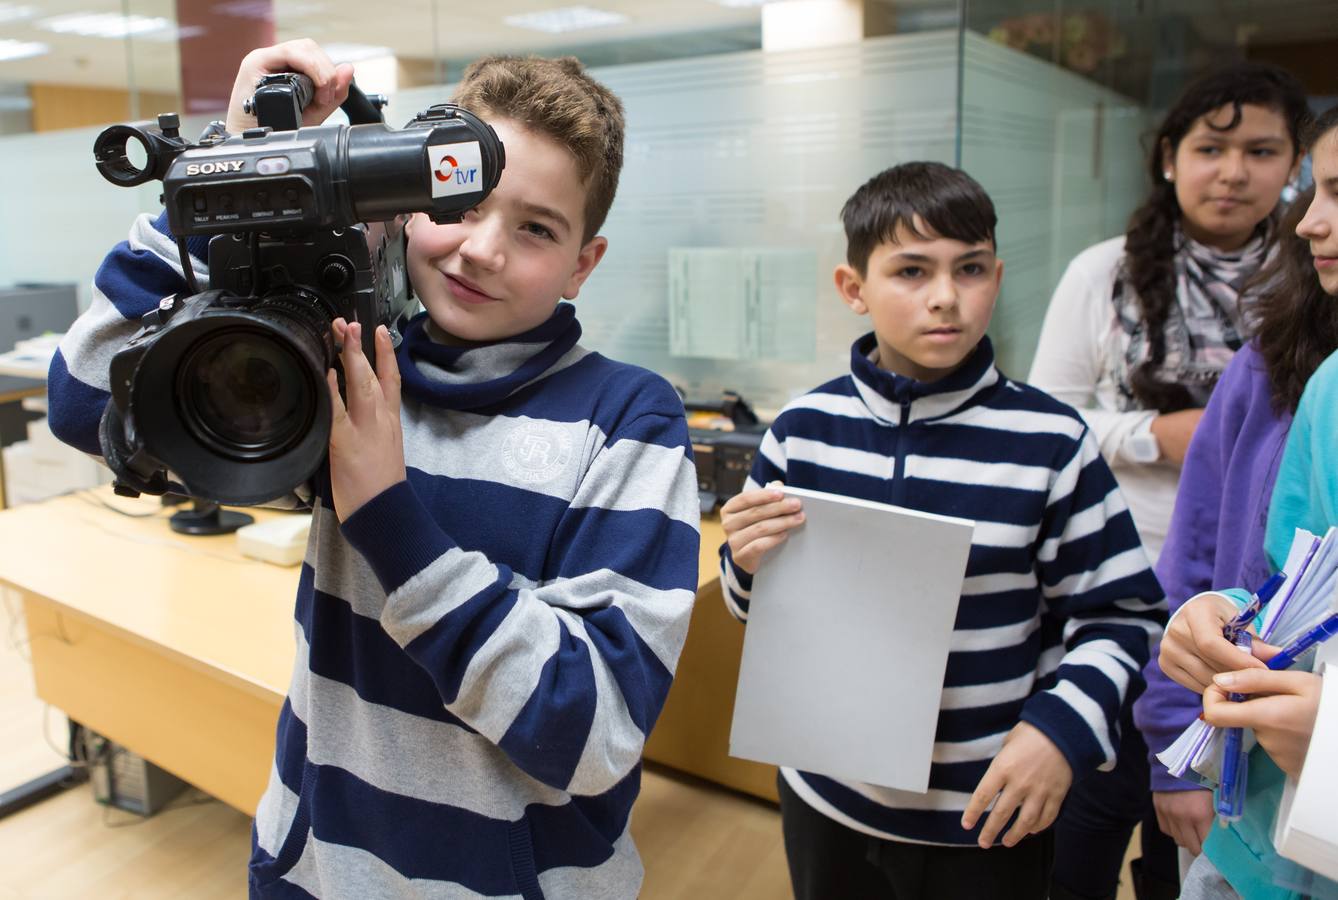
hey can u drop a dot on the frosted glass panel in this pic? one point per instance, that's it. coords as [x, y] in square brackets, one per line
[1060, 156]
[759, 150]
[60, 216]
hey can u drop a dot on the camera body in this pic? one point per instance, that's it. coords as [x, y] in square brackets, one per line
[222, 393]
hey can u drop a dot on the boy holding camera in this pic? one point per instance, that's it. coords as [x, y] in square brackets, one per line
[1058, 606]
[504, 538]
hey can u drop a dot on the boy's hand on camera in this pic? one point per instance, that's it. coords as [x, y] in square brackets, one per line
[1029, 776]
[303, 56]
[366, 439]
[1193, 649]
[757, 521]
[1281, 710]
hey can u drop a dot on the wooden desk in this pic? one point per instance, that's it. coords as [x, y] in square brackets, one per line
[180, 649]
[176, 647]
[692, 734]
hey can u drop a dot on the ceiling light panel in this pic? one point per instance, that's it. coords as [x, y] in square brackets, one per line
[10, 49]
[341, 53]
[12, 12]
[566, 18]
[105, 25]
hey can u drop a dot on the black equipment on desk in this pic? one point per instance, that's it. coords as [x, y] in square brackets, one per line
[29, 310]
[724, 458]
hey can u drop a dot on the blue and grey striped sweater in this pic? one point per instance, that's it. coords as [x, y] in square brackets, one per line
[483, 648]
[1059, 606]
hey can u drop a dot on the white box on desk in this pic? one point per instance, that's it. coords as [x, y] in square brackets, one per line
[35, 472]
[40, 437]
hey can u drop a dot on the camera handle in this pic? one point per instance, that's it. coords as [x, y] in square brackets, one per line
[280, 99]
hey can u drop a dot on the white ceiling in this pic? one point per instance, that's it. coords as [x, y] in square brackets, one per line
[463, 30]
[406, 26]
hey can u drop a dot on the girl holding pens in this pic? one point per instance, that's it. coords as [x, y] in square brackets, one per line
[1298, 326]
[1136, 336]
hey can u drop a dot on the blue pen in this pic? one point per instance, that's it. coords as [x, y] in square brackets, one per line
[1235, 763]
[1252, 609]
[1293, 651]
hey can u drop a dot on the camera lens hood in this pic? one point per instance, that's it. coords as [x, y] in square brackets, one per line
[234, 403]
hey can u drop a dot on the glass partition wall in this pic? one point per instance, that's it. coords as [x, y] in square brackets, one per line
[749, 123]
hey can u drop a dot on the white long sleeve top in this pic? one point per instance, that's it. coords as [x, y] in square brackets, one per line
[1080, 350]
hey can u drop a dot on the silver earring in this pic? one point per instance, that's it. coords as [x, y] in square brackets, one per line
[1168, 175]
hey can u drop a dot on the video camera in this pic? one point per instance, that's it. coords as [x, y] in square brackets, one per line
[222, 394]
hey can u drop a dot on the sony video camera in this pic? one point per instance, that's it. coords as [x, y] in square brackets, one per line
[222, 393]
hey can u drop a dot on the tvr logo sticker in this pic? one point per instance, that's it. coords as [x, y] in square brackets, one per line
[455, 168]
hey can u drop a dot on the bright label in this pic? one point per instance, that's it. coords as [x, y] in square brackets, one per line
[456, 168]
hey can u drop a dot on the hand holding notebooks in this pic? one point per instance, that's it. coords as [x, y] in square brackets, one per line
[1301, 617]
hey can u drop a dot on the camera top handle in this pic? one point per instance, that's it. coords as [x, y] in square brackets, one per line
[279, 100]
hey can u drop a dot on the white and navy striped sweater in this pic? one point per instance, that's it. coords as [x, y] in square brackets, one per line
[482, 649]
[1059, 606]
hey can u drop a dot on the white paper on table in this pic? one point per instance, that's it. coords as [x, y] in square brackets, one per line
[849, 626]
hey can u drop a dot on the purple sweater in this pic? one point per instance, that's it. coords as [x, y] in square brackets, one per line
[1216, 537]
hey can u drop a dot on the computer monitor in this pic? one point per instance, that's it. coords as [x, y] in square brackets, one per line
[26, 311]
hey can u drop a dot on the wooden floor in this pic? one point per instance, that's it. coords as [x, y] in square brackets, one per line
[698, 842]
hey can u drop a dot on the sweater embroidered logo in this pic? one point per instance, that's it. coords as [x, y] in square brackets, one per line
[536, 452]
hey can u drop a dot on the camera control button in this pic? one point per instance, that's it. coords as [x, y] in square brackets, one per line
[201, 202]
[257, 132]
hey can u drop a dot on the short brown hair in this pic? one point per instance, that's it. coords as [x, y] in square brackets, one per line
[950, 202]
[558, 99]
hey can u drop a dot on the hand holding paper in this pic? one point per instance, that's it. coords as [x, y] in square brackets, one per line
[758, 521]
[862, 597]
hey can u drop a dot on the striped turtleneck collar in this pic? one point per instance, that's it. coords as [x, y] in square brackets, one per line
[478, 375]
[885, 393]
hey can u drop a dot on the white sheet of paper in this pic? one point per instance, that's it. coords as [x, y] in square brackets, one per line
[1306, 831]
[847, 641]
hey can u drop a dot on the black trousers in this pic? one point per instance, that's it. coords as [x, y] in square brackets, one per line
[1097, 820]
[831, 862]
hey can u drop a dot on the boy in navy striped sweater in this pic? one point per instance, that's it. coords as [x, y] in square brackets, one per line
[503, 550]
[1058, 607]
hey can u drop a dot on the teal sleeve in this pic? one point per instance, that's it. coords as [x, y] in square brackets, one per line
[1306, 495]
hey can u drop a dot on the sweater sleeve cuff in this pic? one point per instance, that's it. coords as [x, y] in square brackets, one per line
[1162, 780]
[396, 534]
[1067, 730]
[1238, 596]
[744, 580]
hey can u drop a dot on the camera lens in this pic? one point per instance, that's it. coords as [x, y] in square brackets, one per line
[245, 395]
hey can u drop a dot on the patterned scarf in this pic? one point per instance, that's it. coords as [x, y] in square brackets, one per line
[1203, 329]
